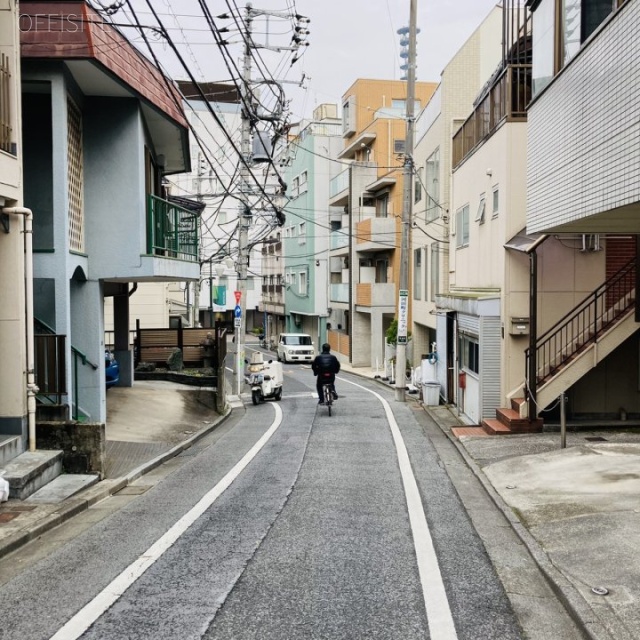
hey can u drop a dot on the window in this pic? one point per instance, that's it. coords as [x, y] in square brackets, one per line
[417, 187]
[496, 202]
[469, 350]
[462, 226]
[481, 208]
[560, 27]
[401, 105]
[302, 286]
[382, 206]
[303, 182]
[435, 271]
[6, 132]
[417, 274]
[287, 279]
[432, 186]
[295, 187]
[302, 233]
[543, 32]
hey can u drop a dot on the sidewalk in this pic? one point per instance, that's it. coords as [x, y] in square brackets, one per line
[577, 509]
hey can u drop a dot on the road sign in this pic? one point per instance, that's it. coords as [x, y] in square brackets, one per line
[403, 316]
[237, 312]
[237, 323]
[238, 295]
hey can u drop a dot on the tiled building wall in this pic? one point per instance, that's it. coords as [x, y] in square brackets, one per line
[584, 130]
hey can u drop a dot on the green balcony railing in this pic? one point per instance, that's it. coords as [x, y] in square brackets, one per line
[172, 231]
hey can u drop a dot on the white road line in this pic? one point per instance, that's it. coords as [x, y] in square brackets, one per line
[77, 625]
[441, 626]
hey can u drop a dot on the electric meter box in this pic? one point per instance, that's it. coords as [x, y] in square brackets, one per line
[519, 327]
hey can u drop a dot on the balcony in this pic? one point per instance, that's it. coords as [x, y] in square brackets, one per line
[172, 231]
[378, 294]
[339, 239]
[339, 189]
[339, 292]
[376, 234]
[507, 99]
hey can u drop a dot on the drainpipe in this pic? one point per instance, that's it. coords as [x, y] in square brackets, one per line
[32, 389]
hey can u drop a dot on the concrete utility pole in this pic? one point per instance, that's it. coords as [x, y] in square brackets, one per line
[244, 219]
[403, 294]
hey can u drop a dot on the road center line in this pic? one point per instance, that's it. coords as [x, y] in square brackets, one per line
[441, 626]
[77, 625]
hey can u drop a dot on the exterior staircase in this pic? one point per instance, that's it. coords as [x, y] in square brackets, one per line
[577, 343]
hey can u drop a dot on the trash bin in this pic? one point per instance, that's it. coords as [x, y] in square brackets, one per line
[431, 393]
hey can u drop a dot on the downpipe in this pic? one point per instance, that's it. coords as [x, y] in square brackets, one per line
[32, 389]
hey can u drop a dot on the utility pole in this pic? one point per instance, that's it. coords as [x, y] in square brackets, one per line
[403, 294]
[244, 219]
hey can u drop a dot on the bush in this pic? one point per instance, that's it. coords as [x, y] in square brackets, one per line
[391, 334]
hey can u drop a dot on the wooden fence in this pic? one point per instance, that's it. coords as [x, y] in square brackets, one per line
[156, 345]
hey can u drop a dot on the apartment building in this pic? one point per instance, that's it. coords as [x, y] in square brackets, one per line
[310, 165]
[583, 171]
[365, 243]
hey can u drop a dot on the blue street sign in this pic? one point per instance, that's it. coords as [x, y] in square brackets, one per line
[237, 312]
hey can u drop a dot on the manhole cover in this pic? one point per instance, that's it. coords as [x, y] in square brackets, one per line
[596, 439]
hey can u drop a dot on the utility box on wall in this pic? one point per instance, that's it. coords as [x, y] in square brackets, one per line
[519, 327]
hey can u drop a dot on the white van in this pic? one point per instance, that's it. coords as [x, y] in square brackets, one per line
[295, 347]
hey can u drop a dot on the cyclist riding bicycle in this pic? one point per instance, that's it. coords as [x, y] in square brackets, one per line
[325, 366]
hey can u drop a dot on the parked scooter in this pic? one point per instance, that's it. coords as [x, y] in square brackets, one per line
[264, 378]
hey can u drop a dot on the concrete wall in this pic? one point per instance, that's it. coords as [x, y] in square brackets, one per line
[84, 445]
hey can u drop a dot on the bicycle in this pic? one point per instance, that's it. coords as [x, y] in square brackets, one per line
[327, 395]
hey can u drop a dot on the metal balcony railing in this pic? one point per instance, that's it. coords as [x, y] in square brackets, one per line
[172, 231]
[507, 98]
[585, 324]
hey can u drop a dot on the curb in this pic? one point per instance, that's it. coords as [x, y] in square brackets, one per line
[576, 606]
[92, 495]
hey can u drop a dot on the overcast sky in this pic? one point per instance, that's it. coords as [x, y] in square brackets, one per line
[349, 39]
[353, 39]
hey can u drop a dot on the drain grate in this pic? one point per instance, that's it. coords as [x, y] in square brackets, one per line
[596, 439]
[8, 516]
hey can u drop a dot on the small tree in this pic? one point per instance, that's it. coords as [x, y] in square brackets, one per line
[391, 335]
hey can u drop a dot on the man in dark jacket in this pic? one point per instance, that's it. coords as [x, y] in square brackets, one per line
[325, 366]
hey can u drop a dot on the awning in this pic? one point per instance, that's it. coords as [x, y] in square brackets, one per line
[524, 242]
[194, 206]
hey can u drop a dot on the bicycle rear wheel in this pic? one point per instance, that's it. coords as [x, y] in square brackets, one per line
[328, 397]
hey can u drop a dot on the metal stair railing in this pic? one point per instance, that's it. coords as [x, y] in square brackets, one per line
[585, 324]
[50, 367]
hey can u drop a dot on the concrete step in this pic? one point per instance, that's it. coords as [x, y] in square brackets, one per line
[30, 471]
[62, 487]
[495, 427]
[10, 447]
